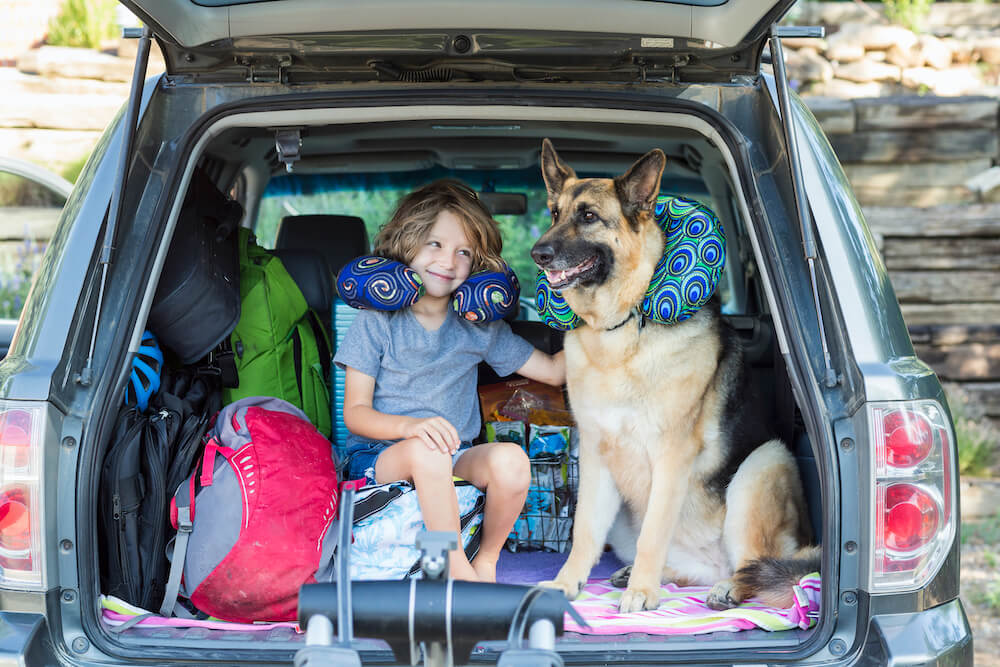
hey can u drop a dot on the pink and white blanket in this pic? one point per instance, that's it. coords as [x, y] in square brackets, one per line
[682, 611]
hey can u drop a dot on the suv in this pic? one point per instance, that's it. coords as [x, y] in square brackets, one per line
[330, 107]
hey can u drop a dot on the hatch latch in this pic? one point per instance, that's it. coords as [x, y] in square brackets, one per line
[288, 144]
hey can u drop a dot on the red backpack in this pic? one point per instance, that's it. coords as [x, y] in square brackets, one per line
[252, 518]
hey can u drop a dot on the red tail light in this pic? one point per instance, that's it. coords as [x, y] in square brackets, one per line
[912, 518]
[908, 438]
[913, 526]
[21, 504]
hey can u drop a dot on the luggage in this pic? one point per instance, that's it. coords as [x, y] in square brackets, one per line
[251, 518]
[280, 347]
[149, 450]
[197, 301]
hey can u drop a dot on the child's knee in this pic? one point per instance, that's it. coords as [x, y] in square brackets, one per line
[427, 462]
[510, 467]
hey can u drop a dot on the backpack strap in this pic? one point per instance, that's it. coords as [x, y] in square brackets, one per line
[185, 525]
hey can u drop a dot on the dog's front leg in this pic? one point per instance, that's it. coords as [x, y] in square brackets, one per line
[596, 506]
[666, 496]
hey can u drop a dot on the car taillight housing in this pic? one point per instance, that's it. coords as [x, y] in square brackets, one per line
[21, 503]
[912, 456]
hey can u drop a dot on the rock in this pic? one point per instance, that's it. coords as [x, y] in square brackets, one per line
[819, 44]
[986, 184]
[848, 89]
[948, 82]
[962, 51]
[988, 50]
[864, 71]
[876, 56]
[912, 56]
[807, 65]
[71, 62]
[844, 51]
[936, 53]
[882, 37]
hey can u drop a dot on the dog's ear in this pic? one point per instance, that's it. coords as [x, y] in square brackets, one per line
[554, 171]
[638, 187]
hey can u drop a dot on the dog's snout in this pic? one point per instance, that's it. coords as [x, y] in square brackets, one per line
[543, 254]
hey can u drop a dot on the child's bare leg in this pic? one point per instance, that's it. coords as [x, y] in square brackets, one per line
[503, 472]
[430, 473]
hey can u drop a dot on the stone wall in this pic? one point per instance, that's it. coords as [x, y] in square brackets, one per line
[924, 171]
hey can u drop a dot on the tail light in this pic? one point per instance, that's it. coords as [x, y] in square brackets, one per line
[913, 450]
[21, 504]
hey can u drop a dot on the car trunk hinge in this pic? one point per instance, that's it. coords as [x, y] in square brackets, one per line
[144, 35]
[266, 69]
[807, 223]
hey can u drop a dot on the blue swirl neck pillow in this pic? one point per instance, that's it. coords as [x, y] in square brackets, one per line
[377, 283]
[684, 279]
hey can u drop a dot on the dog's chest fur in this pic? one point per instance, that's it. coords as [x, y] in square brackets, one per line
[632, 392]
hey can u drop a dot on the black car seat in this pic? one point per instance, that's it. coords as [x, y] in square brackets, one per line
[339, 238]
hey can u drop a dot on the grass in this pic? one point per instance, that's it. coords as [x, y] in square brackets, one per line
[982, 531]
[83, 23]
[977, 439]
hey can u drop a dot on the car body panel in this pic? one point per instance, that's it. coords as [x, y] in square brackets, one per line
[321, 36]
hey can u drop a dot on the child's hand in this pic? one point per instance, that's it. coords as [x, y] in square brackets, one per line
[436, 432]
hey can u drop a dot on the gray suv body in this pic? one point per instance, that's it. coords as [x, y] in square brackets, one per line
[456, 87]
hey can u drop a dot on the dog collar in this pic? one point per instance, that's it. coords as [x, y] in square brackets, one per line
[684, 279]
[632, 313]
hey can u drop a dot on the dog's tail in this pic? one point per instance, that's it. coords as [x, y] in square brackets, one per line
[771, 579]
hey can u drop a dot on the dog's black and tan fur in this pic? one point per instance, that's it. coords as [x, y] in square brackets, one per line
[663, 424]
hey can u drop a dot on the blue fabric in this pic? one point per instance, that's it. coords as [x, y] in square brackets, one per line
[360, 463]
[684, 279]
[421, 373]
[377, 283]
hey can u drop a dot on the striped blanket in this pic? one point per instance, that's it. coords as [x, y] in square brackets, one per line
[683, 611]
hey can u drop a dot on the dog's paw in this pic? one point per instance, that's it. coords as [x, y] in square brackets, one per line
[620, 578]
[639, 599]
[720, 596]
[569, 589]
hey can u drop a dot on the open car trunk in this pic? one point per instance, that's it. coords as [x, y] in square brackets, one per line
[363, 157]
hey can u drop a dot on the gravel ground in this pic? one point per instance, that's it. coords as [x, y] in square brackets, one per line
[981, 588]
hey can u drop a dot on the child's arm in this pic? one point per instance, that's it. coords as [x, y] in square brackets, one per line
[362, 419]
[547, 368]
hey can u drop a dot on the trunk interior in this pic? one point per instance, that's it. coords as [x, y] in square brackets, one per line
[359, 168]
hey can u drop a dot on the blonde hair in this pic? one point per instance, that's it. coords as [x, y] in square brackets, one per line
[402, 236]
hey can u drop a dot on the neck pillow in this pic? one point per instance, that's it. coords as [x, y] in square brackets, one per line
[377, 283]
[684, 279]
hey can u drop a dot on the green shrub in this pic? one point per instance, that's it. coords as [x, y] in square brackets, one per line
[72, 170]
[977, 439]
[83, 23]
[910, 14]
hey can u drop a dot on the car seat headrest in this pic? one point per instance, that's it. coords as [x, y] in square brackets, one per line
[339, 237]
[684, 279]
[378, 283]
[310, 271]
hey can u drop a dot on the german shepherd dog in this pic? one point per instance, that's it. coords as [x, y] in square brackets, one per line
[661, 414]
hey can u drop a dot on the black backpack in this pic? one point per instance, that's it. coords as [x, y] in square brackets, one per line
[150, 455]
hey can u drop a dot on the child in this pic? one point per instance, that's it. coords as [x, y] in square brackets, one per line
[410, 375]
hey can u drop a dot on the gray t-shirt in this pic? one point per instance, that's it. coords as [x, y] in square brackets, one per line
[420, 373]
